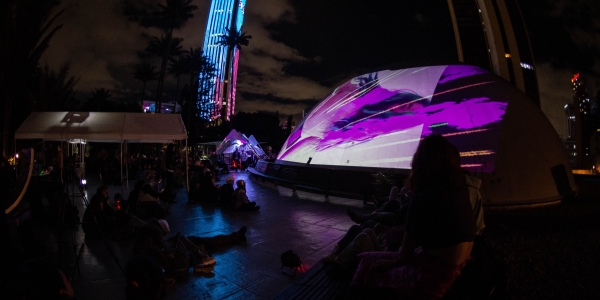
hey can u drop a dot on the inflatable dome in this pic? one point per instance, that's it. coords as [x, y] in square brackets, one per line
[377, 120]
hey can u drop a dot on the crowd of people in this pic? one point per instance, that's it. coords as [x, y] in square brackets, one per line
[204, 189]
[414, 245]
[419, 239]
[157, 257]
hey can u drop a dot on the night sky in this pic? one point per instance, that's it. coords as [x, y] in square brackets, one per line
[302, 49]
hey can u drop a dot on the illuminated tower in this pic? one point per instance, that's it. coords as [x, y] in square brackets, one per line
[580, 118]
[220, 98]
[491, 34]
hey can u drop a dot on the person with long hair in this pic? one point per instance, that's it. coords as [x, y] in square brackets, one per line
[439, 233]
[98, 217]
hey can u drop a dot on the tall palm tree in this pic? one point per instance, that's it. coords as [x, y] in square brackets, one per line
[177, 68]
[145, 73]
[99, 100]
[166, 47]
[233, 39]
[173, 15]
[25, 32]
[56, 89]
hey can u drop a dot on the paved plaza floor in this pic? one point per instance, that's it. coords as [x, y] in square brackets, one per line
[307, 223]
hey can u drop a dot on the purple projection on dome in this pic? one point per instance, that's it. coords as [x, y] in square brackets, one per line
[378, 119]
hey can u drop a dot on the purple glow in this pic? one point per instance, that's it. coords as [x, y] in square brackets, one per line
[456, 72]
[378, 119]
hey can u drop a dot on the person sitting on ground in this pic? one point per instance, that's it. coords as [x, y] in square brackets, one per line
[226, 193]
[390, 214]
[134, 196]
[98, 218]
[240, 197]
[165, 195]
[148, 205]
[149, 173]
[123, 223]
[439, 233]
[390, 202]
[209, 191]
[196, 176]
[173, 255]
[369, 236]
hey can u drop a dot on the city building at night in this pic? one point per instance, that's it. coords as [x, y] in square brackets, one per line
[224, 16]
[570, 143]
[579, 130]
[374, 123]
[491, 34]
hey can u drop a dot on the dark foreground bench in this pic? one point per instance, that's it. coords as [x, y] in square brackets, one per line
[316, 284]
[482, 278]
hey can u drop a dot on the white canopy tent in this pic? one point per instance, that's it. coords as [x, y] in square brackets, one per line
[103, 127]
[116, 127]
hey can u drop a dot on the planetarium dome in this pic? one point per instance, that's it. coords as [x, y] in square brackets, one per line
[377, 120]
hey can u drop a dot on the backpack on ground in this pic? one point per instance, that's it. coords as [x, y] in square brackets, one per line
[291, 259]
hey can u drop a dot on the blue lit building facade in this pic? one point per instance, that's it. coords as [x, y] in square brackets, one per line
[224, 14]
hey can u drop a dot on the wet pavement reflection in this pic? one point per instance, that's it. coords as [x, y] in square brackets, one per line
[307, 223]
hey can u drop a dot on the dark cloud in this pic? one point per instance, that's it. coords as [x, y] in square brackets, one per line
[565, 39]
[564, 33]
[302, 49]
[277, 100]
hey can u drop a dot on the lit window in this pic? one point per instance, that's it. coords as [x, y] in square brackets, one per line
[507, 55]
[526, 66]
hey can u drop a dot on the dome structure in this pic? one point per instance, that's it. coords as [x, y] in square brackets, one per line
[377, 120]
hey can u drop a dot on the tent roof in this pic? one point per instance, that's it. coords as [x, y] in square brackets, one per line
[103, 127]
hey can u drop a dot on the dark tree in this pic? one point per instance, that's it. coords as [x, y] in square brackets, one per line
[56, 90]
[233, 40]
[99, 101]
[166, 47]
[173, 15]
[26, 28]
[145, 73]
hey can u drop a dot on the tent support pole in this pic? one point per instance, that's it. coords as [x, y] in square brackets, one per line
[126, 169]
[187, 179]
[121, 167]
